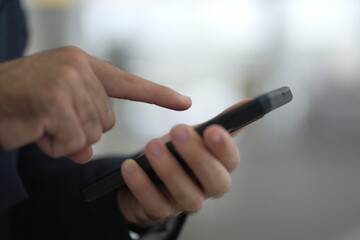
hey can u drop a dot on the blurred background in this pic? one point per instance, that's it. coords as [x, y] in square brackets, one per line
[299, 177]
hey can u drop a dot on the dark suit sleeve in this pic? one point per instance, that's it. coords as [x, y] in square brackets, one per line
[55, 209]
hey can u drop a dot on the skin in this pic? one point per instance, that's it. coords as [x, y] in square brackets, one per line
[59, 99]
[211, 159]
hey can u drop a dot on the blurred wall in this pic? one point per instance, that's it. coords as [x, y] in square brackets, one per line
[299, 173]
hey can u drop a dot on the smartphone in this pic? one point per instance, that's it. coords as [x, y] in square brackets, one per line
[231, 120]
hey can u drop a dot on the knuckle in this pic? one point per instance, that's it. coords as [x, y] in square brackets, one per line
[89, 120]
[72, 57]
[234, 163]
[75, 144]
[93, 137]
[180, 127]
[174, 210]
[109, 122]
[160, 212]
[67, 72]
[193, 203]
[72, 52]
[220, 187]
[89, 117]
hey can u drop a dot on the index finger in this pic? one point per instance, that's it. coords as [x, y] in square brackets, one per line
[226, 110]
[166, 137]
[120, 84]
[235, 106]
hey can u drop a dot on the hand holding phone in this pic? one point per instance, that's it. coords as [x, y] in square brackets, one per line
[231, 120]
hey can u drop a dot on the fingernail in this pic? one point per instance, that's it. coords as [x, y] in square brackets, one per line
[181, 134]
[129, 167]
[155, 149]
[216, 138]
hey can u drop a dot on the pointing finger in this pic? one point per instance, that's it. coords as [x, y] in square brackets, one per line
[120, 84]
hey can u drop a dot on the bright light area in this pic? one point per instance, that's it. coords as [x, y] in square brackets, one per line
[178, 27]
[323, 24]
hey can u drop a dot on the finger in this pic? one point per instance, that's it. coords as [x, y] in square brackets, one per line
[82, 156]
[120, 84]
[212, 175]
[100, 100]
[64, 134]
[235, 106]
[155, 205]
[88, 116]
[185, 192]
[222, 146]
[228, 109]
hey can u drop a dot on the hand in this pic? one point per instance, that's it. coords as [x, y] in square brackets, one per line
[210, 158]
[59, 99]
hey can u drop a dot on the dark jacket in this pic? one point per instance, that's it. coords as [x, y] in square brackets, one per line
[50, 204]
[12, 190]
[13, 34]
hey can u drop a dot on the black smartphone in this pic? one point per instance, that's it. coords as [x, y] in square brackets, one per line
[231, 120]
